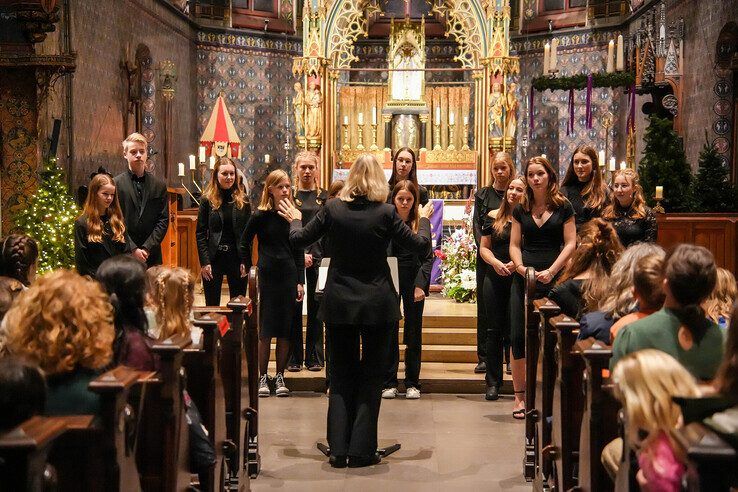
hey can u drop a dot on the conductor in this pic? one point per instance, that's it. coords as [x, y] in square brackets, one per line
[360, 304]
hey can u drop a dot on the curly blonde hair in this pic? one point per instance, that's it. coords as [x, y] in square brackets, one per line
[62, 322]
[172, 293]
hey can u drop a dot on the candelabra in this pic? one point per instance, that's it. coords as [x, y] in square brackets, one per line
[346, 145]
[437, 136]
[451, 145]
[465, 137]
[360, 145]
[374, 147]
[658, 208]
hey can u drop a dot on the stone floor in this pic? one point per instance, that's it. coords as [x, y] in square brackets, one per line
[449, 442]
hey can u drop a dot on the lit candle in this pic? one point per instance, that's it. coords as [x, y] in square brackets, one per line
[202, 154]
[450, 118]
[620, 63]
[544, 156]
[192, 162]
[601, 158]
[610, 56]
[345, 120]
[181, 169]
[553, 57]
[212, 162]
[659, 193]
[267, 158]
[466, 120]
[438, 116]
[546, 56]
[623, 165]
[361, 119]
[374, 115]
[612, 164]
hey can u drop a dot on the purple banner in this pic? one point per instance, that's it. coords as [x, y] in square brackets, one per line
[436, 222]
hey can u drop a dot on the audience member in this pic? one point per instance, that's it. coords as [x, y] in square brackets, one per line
[647, 291]
[172, 294]
[18, 258]
[726, 382]
[627, 211]
[22, 392]
[720, 302]
[583, 185]
[681, 328]
[64, 324]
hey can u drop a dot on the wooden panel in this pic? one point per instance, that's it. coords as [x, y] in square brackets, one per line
[169, 250]
[186, 241]
[716, 232]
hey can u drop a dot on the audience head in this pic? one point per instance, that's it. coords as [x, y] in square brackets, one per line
[19, 256]
[722, 297]
[335, 188]
[405, 200]
[647, 281]
[277, 187]
[102, 199]
[514, 194]
[626, 194]
[10, 289]
[306, 170]
[726, 381]
[619, 299]
[62, 322]
[503, 170]
[541, 178]
[689, 278]
[366, 178]
[645, 382]
[404, 166]
[135, 151]
[22, 392]
[584, 168]
[124, 279]
[225, 177]
[172, 293]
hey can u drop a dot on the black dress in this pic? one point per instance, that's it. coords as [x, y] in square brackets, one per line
[631, 231]
[87, 255]
[281, 268]
[540, 247]
[573, 192]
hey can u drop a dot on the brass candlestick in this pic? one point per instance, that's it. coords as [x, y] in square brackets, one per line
[451, 145]
[465, 137]
[374, 139]
[437, 137]
[360, 145]
[346, 145]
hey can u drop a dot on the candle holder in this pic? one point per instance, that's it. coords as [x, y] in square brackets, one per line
[194, 182]
[451, 145]
[346, 145]
[658, 208]
[360, 145]
[374, 138]
[465, 137]
[436, 137]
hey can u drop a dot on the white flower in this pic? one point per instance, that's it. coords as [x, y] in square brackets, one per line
[468, 279]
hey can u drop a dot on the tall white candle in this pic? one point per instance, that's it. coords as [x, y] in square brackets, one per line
[202, 154]
[361, 119]
[192, 162]
[612, 164]
[466, 120]
[601, 158]
[438, 115]
[659, 195]
[267, 159]
[345, 120]
[212, 162]
[553, 57]
[620, 63]
[546, 57]
[544, 156]
[610, 56]
[450, 118]
[623, 165]
[374, 115]
[181, 169]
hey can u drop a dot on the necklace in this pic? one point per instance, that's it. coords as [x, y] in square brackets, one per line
[540, 214]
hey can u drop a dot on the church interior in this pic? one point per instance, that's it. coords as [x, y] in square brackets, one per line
[648, 86]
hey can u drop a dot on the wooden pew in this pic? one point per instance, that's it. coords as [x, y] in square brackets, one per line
[252, 459]
[600, 416]
[712, 463]
[531, 464]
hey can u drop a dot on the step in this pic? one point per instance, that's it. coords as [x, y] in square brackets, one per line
[445, 322]
[439, 336]
[436, 353]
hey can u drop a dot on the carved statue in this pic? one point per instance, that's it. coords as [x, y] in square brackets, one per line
[313, 101]
[496, 111]
[298, 107]
[511, 111]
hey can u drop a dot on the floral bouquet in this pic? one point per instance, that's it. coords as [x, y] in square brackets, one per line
[458, 256]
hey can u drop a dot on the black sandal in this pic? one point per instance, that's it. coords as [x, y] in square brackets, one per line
[519, 414]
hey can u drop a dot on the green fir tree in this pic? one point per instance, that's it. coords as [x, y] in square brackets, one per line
[49, 218]
[665, 164]
[713, 191]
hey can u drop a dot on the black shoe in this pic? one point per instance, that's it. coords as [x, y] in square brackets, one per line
[362, 461]
[337, 461]
[493, 393]
[314, 367]
[294, 368]
[481, 368]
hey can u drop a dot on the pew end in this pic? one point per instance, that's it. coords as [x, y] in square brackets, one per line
[711, 462]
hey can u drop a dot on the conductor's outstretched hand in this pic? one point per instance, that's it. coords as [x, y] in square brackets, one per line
[425, 211]
[288, 211]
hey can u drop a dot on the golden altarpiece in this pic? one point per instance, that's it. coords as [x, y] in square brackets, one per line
[455, 129]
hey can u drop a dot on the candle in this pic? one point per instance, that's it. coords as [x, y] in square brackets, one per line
[202, 154]
[267, 159]
[612, 163]
[544, 156]
[361, 119]
[553, 56]
[345, 120]
[659, 193]
[610, 56]
[374, 115]
[620, 64]
[546, 56]
[601, 158]
[438, 116]
[192, 162]
[623, 165]
[450, 118]
[212, 162]
[466, 120]
[181, 170]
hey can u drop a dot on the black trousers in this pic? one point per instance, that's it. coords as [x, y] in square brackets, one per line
[482, 321]
[496, 302]
[356, 386]
[412, 338]
[517, 312]
[225, 263]
[314, 333]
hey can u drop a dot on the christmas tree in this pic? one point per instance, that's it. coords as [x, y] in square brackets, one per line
[49, 218]
[665, 164]
[713, 191]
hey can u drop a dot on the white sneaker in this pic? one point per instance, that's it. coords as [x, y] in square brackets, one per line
[264, 391]
[389, 393]
[280, 389]
[412, 393]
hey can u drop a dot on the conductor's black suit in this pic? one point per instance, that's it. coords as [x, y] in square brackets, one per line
[360, 304]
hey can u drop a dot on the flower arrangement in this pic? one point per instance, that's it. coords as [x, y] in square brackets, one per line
[458, 256]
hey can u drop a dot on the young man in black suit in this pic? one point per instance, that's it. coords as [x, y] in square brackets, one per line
[143, 199]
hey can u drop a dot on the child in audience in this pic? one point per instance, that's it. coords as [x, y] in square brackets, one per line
[124, 278]
[645, 382]
[18, 258]
[22, 392]
[64, 324]
[647, 291]
[172, 293]
[720, 302]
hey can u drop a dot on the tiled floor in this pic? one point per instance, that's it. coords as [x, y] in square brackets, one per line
[449, 442]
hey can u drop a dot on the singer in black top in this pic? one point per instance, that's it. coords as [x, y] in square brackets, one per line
[221, 220]
[405, 166]
[308, 198]
[281, 277]
[414, 275]
[495, 252]
[485, 200]
[628, 213]
[583, 185]
[360, 304]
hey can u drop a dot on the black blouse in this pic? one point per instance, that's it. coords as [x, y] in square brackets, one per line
[568, 296]
[485, 200]
[228, 236]
[88, 256]
[573, 192]
[309, 202]
[500, 242]
[273, 233]
[542, 245]
[631, 231]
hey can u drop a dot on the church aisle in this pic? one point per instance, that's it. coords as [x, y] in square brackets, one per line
[449, 442]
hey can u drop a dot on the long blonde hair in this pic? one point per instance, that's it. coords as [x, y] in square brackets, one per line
[720, 302]
[305, 155]
[91, 211]
[212, 190]
[504, 213]
[645, 382]
[275, 177]
[505, 157]
[637, 209]
[172, 293]
[366, 178]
